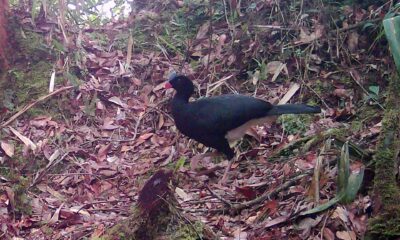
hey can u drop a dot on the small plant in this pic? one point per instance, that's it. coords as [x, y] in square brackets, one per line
[295, 124]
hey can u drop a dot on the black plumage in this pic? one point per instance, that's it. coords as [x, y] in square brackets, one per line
[211, 121]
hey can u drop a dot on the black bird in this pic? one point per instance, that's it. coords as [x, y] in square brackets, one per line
[214, 121]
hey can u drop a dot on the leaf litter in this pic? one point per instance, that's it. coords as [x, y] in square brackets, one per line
[119, 130]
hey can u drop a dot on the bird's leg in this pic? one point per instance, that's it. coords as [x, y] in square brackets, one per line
[224, 177]
[230, 162]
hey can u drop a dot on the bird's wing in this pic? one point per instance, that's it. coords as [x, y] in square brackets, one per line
[223, 113]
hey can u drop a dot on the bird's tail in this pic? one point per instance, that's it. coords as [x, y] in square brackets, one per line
[293, 109]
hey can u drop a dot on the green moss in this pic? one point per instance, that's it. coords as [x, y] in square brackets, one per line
[33, 83]
[187, 231]
[48, 231]
[321, 87]
[294, 124]
[31, 46]
[387, 223]
[19, 188]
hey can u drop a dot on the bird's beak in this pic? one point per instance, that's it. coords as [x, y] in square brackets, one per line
[167, 85]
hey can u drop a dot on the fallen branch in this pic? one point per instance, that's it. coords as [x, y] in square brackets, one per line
[27, 107]
[226, 202]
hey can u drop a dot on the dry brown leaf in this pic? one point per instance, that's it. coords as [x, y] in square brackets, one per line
[218, 48]
[56, 215]
[7, 148]
[255, 77]
[182, 194]
[306, 37]
[103, 151]
[24, 139]
[273, 66]
[117, 101]
[293, 89]
[275, 221]
[108, 124]
[146, 136]
[346, 235]
[240, 235]
[343, 93]
[341, 213]
[328, 234]
[352, 41]
[160, 121]
[136, 81]
[308, 223]
[10, 196]
[203, 30]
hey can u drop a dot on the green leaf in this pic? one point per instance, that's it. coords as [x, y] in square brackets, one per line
[367, 25]
[391, 27]
[324, 206]
[354, 184]
[343, 167]
[180, 163]
[374, 90]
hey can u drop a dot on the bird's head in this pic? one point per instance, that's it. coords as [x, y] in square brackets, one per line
[182, 84]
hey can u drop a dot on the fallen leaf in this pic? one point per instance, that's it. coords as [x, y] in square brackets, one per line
[11, 197]
[308, 223]
[160, 121]
[108, 124]
[275, 221]
[240, 235]
[146, 136]
[342, 93]
[273, 66]
[103, 151]
[306, 37]
[56, 215]
[352, 41]
[340, 213]
[24, 139]
[182, 194]
[7, 148]
[289, 94]
[328, 234]
[52, 81]
[203, 30]
[117, 101]
[346, 235]
[246, 191]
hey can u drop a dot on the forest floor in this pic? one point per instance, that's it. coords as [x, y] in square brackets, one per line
[74, 161]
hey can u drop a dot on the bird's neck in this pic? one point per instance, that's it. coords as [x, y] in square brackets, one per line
[181, 98]
[179, 103]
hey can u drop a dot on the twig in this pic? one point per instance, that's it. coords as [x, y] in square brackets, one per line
[365, 91]
[360, 24]
[27, 107]
[262, 198]
[210, 32]
[226, 202]
[316, 94]
[42, 172]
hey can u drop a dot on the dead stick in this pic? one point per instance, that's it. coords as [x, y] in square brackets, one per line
[27, 107]
[226, 202]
